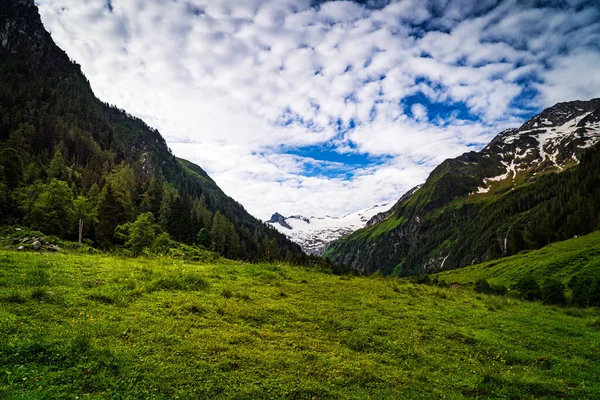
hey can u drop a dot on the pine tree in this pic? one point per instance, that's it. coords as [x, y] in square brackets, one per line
[57, 165]
[11, 168]
[218, 233]
[110, 213]
[180, 221]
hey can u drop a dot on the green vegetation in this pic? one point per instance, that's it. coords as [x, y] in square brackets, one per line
[97, 326]
[75, 167]
[445, 224]
[561, 261]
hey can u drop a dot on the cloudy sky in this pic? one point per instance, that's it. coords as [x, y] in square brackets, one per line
[314, 108]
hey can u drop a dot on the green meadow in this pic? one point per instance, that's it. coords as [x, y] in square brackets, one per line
[106, 327]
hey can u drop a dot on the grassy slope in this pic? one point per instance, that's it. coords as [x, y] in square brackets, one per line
[100, 326]
[560, 260]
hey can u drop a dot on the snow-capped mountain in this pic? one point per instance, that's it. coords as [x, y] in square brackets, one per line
[315, 233]
[490, 203]
[551, 141]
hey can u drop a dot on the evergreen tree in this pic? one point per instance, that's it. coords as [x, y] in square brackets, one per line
[165, 206]
[203, 238]
[218, 233]
[110, 213]
[57, 165]
[11, 168]
[122, 180]
[180, 221]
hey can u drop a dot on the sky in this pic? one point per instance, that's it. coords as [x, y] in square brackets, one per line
[325, 108]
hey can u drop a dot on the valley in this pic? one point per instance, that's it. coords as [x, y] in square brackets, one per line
[127, 272]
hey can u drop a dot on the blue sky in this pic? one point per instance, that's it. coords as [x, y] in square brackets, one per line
[310, 107]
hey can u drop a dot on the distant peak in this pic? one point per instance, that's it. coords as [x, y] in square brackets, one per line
[279, 219]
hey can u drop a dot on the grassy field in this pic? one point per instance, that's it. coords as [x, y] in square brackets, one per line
[560, 260]
[95, 326]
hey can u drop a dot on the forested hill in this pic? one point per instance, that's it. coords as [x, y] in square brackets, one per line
[66, 156]
[529, 187]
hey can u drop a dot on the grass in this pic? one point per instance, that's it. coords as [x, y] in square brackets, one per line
[103, 327]
[560, 260]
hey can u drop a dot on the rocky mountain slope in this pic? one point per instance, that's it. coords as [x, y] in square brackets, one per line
[57, 137]
[315, 233]
[519, 192]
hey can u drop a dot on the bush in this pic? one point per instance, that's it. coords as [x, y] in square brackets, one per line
[586, 290]
[553, 292]
[482, 286]
[422, 279]
[499, 290]
[528, 289]
[162, 244]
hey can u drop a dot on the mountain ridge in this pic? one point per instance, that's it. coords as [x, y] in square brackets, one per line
[435, 228]
[56, 129]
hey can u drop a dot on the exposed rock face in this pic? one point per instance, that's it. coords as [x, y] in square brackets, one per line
[22, 31]
[279, 219]
[384, 215]
[428, 230]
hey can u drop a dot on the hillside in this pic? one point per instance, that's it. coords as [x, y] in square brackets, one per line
[108, 327]
[314, 234]
[561, 260]
[529, 187]
[68, 159]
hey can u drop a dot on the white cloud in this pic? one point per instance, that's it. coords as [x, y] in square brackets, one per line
[231, 84]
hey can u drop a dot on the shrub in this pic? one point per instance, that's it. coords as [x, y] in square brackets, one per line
[528, 289]
[482, 286]
[422, 279]
[586, 290]
[553, 292]
[162, 244]
[499, 290]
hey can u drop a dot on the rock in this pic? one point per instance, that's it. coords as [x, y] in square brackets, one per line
[53, 247]
[36, 245]
[25, 239]
[21, 248]
[17, 229]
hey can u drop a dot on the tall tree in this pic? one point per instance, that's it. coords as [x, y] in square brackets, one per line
[110, 213]
[218, 233]
[11, 168]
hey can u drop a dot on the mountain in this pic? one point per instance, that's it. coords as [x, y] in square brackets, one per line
[530, 186]
[315, 233]
[66, 156]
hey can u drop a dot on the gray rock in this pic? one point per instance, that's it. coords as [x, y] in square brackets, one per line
[21, 248]
[53, 247]
[36, 245]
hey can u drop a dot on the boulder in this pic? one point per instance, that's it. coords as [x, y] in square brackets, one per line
[53, 247]
[21, 248]
[36, 245]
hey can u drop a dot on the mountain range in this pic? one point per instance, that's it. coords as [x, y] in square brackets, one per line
[315, 233]
[528, 187]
